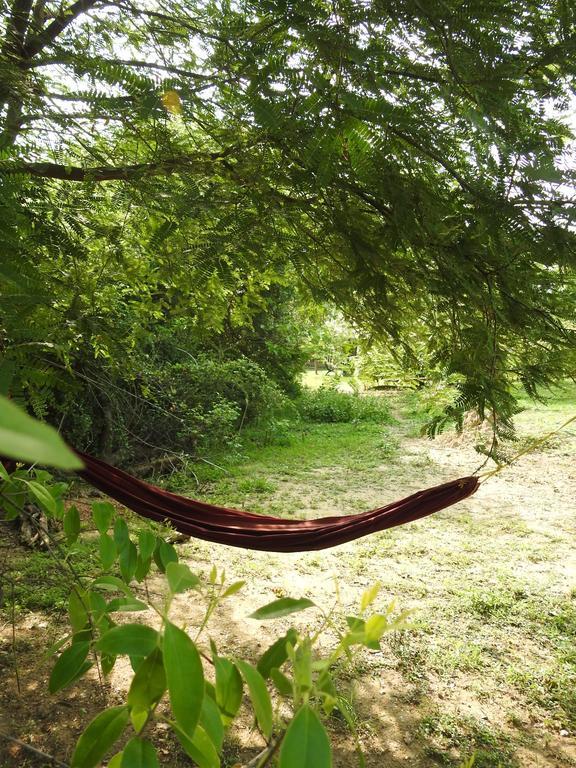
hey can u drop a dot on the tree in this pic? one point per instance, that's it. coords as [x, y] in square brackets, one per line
[410, 161]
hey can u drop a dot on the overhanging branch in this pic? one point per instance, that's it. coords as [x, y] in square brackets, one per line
[37, 43]
[185, 164]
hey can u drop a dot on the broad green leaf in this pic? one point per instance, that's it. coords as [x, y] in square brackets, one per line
[164, 554]
[370, 595]
[306, 743]
[139, 753]
[99, 737]
[107, 550]
[126, 604]
[78, 610]
[277, 654]
[259, 696]
[121, 534]
[180, 577]
[146, 544]
[302, 664]
[102, 514]
[281, 607]
[96, 603]
[43, 496]
[107, 662]
[283, 685]
[128, 639]
[70, 666]
[148, 685]
[375, 627]
[113, 583]
[25, 439]
[116, 761]
[185, 677]
[228, 687]
[142, 568]
[211, 721]
[128, 560]
[72, 524]
[200, 748]
[3, 472]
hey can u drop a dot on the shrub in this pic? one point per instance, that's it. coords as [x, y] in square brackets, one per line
[330, 406]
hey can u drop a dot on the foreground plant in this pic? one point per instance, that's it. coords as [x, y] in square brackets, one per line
[180, 677]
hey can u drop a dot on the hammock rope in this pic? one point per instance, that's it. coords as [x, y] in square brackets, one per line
[247, 530]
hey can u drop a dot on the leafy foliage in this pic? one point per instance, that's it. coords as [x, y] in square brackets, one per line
[411, 164]
[295, 672]
[329, 405]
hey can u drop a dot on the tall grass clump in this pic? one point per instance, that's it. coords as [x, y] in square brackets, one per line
[329, 406]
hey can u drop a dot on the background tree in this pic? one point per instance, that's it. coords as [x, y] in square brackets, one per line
[409, 162]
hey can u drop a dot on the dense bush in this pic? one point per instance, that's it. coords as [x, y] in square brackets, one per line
[190, 406]
[328, 405]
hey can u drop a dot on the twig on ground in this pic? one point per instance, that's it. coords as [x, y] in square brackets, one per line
[33, 750]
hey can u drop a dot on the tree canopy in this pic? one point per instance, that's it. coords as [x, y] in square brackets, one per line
[408, 161]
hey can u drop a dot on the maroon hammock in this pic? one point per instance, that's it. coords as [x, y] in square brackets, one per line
[273, 534]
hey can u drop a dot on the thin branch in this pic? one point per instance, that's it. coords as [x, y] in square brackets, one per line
[37, 43]
[33, 750]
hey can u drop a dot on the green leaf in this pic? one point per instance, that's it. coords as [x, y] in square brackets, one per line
[72, 524]
[302, 664]
[164, 554]
[281, 607]
[126, 604]
[25, 439]
[142, 568]
[121, 534]
[185, 677]
[128, 560]
[102, 514]
[146, 544]
[233, 588]
[107, 550]
[228, 687]
[70, 666]
[306, 743]
[77, 610]
[139, 753]
[148, 685]
[277, 654]
[375, 627]
[107, 662]
[98, 737]
[43, 496]
[113, 583]
[283, 684]
[116, 761]
[200, 748]
[259, 696]
[3, 472]
[128, 639]
[211, 721]
[370, 595]
[180, 577]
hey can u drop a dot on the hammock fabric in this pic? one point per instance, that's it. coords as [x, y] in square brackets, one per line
[252, 531]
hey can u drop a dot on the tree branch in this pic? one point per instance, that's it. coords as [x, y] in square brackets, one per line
[110, 173]
[37, 43]
[124, 63]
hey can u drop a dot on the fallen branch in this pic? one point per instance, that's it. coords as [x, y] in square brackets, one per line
[33, 750]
